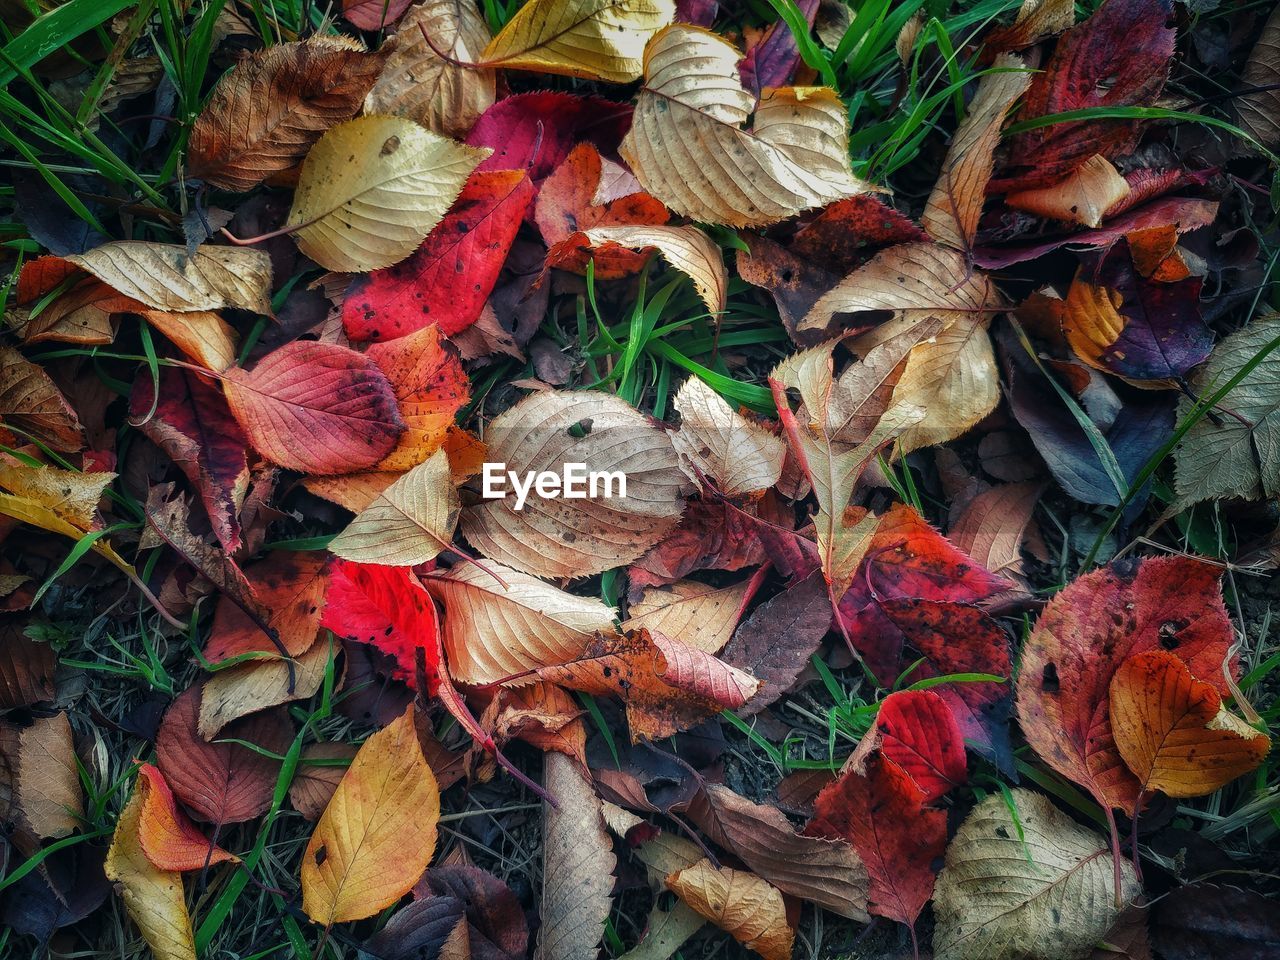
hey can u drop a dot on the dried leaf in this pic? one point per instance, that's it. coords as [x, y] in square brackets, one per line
[1259, 108]
[201, 334]
[164, 277]
[259, 684]
[290, 586]
[48, 789]
[1087, 194]
[740, 903]
[26, 668]
[314, 783]
[168, 838]
[689, 118]
[918, 732]
[698, 615]
[377, 834]
[33, 405]
[372, 211]
[716, 440]
[686, 248]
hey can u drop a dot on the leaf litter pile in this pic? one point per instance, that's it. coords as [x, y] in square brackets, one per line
[934, 348]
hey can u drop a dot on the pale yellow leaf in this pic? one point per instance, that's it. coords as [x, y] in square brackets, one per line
[1084, 197]
[165, 277]
[740, 455]
[697, 614]
[687, 249]
[594, 39]
[688, 146]
[372, 188]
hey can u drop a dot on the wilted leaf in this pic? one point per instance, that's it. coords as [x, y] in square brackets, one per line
[290, 586]
[82, 308]
[193, 425]
[716, 440]
[371, 189]
[698, 615]
[992, 526]
[164, 277]
[1173, 731]
[168, 839]
[48, 789]
[577, 865]
[1040, 887]
[740, 903]
[446, 282]
[201, 334]
[443, 95]
[689, 116]
[424, 928]
[316, 408]
[32, 404]
[497, 630]
[258, 684]
[578, 537]
[1086, 632]
[1087, 195]
[595, 39]
[686, 248]
[153, 897]
[408, 523]
[378, 832]
[272, 106]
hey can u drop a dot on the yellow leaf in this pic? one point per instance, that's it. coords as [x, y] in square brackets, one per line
[372, 188]
[688, 148]
[418, 83]
[377, 835]
[153, 897]
[202, 335]
[594, 39]
[739, 903]
[1173, 731]
[1084, 197]
[409, 522]
[687, 249]
[164, 276]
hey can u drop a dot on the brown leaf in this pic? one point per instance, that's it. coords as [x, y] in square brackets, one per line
[31, 403]
[48, 785]
[1260, 110]
[698, 615]
[26, 668]
[316, 779]
[740, 903]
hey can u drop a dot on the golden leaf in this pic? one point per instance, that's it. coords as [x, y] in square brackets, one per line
[1084, 197]
[687, 249]
[740, 903]
[164, 276]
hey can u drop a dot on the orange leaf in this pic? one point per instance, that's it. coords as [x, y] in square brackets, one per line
[168, 837]
[1173, 732]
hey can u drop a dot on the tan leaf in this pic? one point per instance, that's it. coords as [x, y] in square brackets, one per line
[741, 904]
[492, 632]
[687, 249]
[1038, 888]
[153, 897]
[578, 537]
[31, 403]
[48, 784]
[594, 39]
[162, 275]
[419, 84]
[201, 334]
[1260, 109]
[955, 205]
[408, 523]
[377, 834]
[577, 865]
[993, 524]
[1084, 197]
[258, 684]
[696, 614]
[371, 189]
[1036, 20]
[353, 491]
[688, 148]
[740, 455]
[273, 105]
[318, 776]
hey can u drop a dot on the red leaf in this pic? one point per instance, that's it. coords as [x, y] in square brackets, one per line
[374, 14]
[534, 132]
[917, 731]
[221, 782]
[882, 813]
[447, 280]
[907, 558]
[168, 837]
[387, 608]
[846, 233]
[1118, 57]
[316, 407]
[290, 588]
[1086, 632]
[193, 425]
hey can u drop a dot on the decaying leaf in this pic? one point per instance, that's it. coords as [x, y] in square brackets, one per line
[372, 211]
[290, 586]
[33, 405]
[377, 834]
[48, 792]
[688, 148]
[170, 840]
[917, 731]
[687, 249]
[1259, 108]
[259, 684]
[700, 616]
[1038, 887]
[718, 442]
[740, 903]
[165, 277]
[1087, 195]
[319, 772]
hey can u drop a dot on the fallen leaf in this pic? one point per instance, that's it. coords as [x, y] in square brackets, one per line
[320, 769]
[257, 685]
[1083, 636]
[32, 404]
[579, 537]
[377, 834]
[201, 334]
[408, 523]
[698, 672]
[290, 586]
[153, 897]
[446, 282]
[916, 730]
[593, 39]
[712, 535]
[316, 408]
[444, 95]
[82, 310]
[26, 668]
[717, 441]
[992, 526]
[1040, 887]
[1258, 106]
[164, 277]
[47, 788]
[266, 113]
[168, 839]
[772, 59]
[373, 212]
[700, 616]
[740, 903]
[1085, 197]
[665, 932]
[1036, 20]
[189, 419]
[577, 865]
[686, 248]
[690, 113]
[1204, 921]
[494, 630]
[424, 928]
[1173, 731]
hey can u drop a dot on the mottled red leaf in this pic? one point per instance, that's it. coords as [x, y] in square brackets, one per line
[917, 730]
[1086, 632]
[193, 425]
[316, 407]
[846, 233]
[447, 280]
